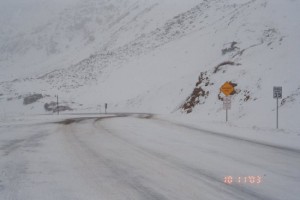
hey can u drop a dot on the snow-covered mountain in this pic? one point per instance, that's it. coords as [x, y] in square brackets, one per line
[158, 56]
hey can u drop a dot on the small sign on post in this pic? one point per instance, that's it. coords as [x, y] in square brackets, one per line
[227, 89]
[105, 108]
[227, 103]
[277, 94]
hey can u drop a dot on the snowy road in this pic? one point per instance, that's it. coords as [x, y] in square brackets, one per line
[142, 158]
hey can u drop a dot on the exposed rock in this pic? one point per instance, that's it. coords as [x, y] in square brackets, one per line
[218, 67]
[232, 48]
[198, 93]
[32, 98]
[62, 108]
[50, 106]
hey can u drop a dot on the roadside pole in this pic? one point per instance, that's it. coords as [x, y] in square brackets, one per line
[277, 94]
[277, 113]
[227, 105]
[226, 115]
[57, 106]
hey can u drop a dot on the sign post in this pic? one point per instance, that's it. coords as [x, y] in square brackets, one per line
[227, 105]
[227, 90]
[105, 107]
[277, 94]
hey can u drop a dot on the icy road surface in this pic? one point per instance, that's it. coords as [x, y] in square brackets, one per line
[142, 158]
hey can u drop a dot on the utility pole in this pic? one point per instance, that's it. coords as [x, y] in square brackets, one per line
[57, 106]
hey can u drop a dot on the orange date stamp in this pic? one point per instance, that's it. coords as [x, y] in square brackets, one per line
[243, 180]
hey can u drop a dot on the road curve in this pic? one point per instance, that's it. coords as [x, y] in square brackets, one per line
[128, 156]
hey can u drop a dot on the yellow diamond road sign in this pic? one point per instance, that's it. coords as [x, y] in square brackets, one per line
[227, 88]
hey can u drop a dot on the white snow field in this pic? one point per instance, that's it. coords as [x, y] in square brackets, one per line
[147, 56]
[142, 157]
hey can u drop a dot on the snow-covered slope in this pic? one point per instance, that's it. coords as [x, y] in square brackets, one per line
[147, 56]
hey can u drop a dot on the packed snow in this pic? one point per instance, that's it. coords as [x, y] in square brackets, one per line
[142, 156]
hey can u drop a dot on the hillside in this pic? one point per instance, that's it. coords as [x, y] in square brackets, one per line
[148, 56]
